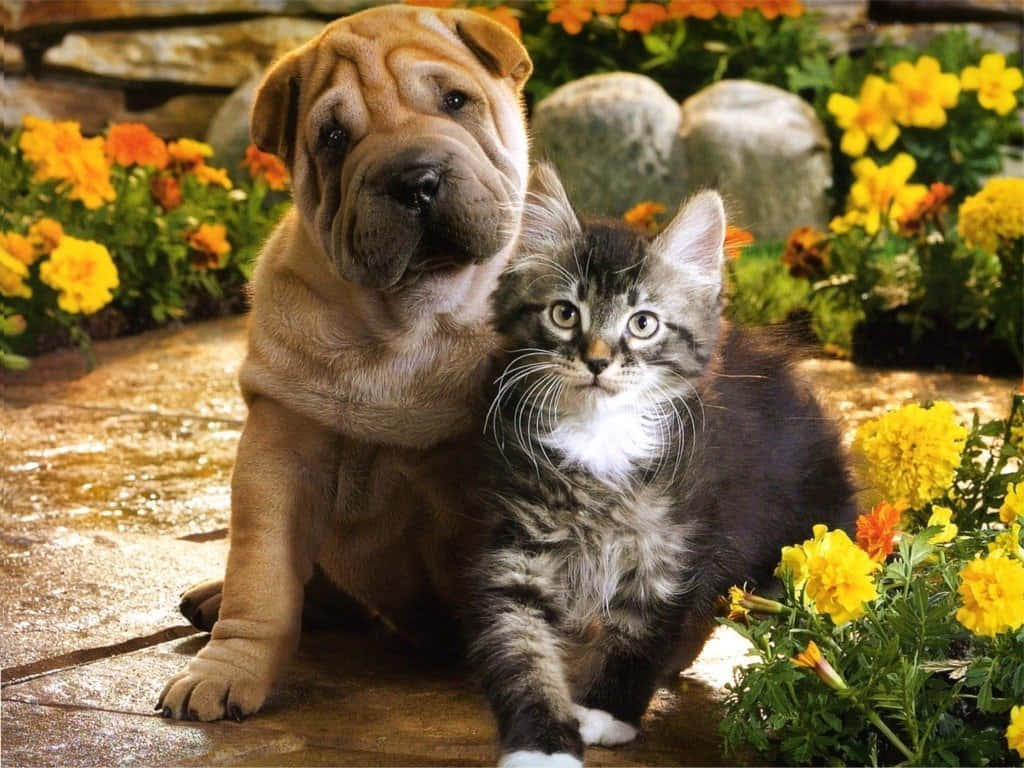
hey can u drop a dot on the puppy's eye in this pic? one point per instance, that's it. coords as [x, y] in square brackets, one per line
[453, 101]
[564, 315]
[333, 137]
[643, 325]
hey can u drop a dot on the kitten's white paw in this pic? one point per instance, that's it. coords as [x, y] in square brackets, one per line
[524, 758]
[599, 727]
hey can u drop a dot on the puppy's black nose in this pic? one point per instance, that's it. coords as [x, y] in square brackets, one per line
[596, 365]
[415, 187]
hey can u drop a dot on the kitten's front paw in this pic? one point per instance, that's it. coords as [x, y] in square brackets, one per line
[600, 727]
[529, 759]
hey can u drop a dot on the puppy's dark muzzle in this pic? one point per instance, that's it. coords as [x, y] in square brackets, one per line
[416, 188]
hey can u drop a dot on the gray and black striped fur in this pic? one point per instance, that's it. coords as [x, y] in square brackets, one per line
[632, 480]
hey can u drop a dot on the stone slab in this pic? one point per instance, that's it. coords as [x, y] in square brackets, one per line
[94, 107]
[67, 590]
[346, 699]
[21, 14]
[223, 55]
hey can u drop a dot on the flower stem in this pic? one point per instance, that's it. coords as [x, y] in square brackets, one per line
[888, 733]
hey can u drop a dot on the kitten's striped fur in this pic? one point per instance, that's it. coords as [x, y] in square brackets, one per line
[634, 476]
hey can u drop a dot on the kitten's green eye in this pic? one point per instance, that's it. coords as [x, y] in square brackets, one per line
[564, 315]
[643, 325]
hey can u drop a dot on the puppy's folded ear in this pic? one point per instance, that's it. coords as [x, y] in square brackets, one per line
[275, 111]
[495, 47]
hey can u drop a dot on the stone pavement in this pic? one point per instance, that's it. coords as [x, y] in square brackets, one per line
[114, 496]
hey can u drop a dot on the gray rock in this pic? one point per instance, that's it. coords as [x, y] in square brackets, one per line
[612, 138]
[764, 149]
[228, 133]
[219, 54]
[14, 59]
[94, 107]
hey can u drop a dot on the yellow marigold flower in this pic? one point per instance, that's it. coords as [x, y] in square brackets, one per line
[942, 516]
[912, 452]
[811, 658]
[837, 576]
[83, 272]
[211, 246]
[880, 193]
[503, 15]
[1013, 503]
[45, 234]
[571, 14]
[207, 174]
[641, 17]
[1007, 543]
[772, 8]
[923, 92]
[18, 246]
[697, 9]
[992, 590]
[189, 152]
[994, 83]
[60, 153]
[877, 530]
[12, 276]
[869, 118]
[135, 144]
[994, 215]
[644, 215]
[1015, 730]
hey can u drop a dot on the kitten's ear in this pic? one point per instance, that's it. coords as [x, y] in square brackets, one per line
[549, 223]
[696, 235]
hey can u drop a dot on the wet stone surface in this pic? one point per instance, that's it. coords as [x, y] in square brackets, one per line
[114, 496]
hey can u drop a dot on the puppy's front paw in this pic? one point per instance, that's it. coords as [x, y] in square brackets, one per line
[212, 688]
[529, 759]
[600, 727]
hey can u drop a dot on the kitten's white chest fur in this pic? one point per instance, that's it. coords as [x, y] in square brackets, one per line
[608, 439]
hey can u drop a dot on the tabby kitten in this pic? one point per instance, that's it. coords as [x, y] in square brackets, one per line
[644, 457]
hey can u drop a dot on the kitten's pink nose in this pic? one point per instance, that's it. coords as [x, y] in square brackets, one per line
[598, 365]
[597, 356]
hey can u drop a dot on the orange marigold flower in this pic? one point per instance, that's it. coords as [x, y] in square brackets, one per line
[734, 8]
[45, 234]
[806, 253]
[166, 191]
[504, 16]
[698, 9]
[189, 152]
[571, 14]
[770, 9]
[927, 210]
[641, 17]
[211, 246]
[877, 530]
[19, 247]
[735, 240]
[207, 174]
[134, 144]
[609, 7]
[643, 215]
[811, 658]
[263, 165]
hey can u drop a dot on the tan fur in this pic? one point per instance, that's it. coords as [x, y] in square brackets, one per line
[360, 398]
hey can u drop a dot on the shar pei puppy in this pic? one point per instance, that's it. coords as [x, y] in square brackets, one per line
[368, 342]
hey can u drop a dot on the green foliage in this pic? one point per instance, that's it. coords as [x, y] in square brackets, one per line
[682, 55]
[922, 689]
